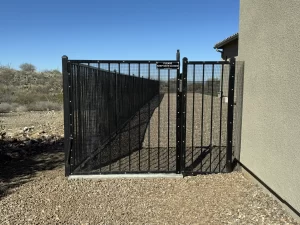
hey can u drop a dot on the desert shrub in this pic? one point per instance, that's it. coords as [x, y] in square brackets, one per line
[28, 89]
[44, 106]
[7, 74]
[7, 97]
[27, 67]
[25, 97]
[5, 107]
[56, 71]
[59, 97]
[21, 108]
[12, 107]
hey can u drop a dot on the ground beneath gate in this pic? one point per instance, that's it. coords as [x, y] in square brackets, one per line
[148, 141]
[33, 190]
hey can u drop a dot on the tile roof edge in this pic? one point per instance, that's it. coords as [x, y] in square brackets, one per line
[226, 40]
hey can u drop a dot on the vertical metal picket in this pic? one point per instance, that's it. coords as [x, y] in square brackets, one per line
[230, 115]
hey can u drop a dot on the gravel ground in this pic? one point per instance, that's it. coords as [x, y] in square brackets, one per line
[164, 118]
[33, 190]
[25, 134]
[161, 131]
[49, 122]
[47, 197]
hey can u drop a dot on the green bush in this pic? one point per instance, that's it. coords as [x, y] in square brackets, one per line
[5, 107]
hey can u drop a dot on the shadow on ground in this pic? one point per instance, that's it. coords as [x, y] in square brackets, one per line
[128, 140]
[20, 160]
[126, 153]
[209, 159]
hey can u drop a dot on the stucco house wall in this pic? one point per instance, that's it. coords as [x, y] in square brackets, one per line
[269, 43]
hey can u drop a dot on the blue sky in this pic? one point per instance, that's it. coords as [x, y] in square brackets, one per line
[40, 32]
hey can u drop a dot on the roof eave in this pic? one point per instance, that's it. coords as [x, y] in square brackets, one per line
[226, 41]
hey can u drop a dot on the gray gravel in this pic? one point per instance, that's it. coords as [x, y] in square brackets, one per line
[164, 117]
[33, 190]
[47, 197]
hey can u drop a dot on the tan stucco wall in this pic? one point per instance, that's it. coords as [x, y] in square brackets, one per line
[269, 42]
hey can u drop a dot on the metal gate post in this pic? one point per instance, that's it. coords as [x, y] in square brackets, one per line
[178, 116]
[178, 55]
[67, 113]
[183, 112]
[229, 166]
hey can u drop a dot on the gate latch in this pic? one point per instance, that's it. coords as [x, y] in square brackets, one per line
[180, 86]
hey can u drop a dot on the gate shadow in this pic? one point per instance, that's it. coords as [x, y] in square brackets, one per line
[20, 160]
[208, 159]
[127, 141]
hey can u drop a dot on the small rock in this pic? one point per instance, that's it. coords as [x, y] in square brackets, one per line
[2, 135]
[28, 129]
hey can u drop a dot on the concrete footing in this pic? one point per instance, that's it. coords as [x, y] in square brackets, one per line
[122, 176]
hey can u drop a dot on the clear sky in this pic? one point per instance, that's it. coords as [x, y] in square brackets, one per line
[40, 32]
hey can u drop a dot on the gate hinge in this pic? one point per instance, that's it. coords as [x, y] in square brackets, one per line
[180, 86]
[70, 149]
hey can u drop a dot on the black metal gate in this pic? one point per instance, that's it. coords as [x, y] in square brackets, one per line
[207, 106]
[147, 117]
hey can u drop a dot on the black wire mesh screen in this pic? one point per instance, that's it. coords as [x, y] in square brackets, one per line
[123, 116]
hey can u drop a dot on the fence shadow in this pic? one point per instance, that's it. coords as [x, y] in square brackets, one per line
[21, 160]
[128, 140]
[208, 159]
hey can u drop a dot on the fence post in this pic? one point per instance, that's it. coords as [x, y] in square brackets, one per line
[178, 55]
[67, 113]
[183, 115]
[229, 166]
[180, 117]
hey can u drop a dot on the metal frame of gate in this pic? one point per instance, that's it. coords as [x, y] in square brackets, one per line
[206, 151]
[80, 80]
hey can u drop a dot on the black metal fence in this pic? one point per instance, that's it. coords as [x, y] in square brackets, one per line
[108, 107]
[133, 117]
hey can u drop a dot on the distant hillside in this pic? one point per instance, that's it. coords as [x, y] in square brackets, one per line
[29, 90]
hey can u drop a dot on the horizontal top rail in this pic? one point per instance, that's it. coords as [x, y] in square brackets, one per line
[109, 71]
[120, 61]
[208, 62]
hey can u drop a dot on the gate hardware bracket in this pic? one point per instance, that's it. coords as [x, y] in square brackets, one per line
[180, 86]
